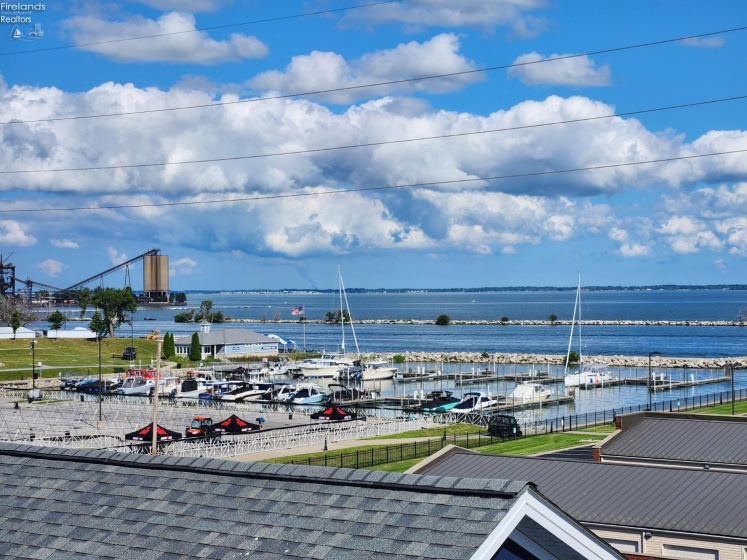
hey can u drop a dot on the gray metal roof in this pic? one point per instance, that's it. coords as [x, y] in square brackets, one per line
[66, 504]
[705, 502]
[227, 336]
[686, 438]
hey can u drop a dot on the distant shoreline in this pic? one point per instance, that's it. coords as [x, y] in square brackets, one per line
[486, 289]
[524, 322]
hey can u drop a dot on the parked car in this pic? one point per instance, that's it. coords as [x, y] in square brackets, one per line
[503, 426]
[130, 353]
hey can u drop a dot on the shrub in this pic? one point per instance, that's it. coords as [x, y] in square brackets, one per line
[398, 359]
[443, 319]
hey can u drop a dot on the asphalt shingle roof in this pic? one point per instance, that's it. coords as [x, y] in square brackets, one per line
[94, 504]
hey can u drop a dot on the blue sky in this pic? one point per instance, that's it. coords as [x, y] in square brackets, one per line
[94, 96]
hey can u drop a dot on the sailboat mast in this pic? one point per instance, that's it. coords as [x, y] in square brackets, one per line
[344, 295]
[342, 312]
[580, 347]
[573, 323]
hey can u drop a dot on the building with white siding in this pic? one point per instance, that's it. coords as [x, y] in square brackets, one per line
[228, 343]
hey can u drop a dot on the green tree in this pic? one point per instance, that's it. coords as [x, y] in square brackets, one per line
[335, 316]
[552, 317]
[169, 349]
[443, 319]
[98, 324]
[572, 358]
[185, 317]
[114, 305]
[195, 351]
[218, 317]
[15, 321]
[180, 298]
[56, 319]
[504, 319]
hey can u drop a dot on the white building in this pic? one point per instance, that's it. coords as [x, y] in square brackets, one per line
[228, 343]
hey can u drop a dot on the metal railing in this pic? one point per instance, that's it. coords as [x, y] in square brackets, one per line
[72, 423]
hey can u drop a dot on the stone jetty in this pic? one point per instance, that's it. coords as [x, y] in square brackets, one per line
[657, 362]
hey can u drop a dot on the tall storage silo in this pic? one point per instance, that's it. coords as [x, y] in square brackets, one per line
[156, 277]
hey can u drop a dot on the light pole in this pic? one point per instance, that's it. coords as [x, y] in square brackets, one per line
[650, 375]
[101, 389]
[33, 364]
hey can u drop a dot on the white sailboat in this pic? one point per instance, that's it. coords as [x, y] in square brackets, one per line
[588, 376]
[339, 365]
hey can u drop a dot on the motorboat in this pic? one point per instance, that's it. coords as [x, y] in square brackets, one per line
[275, 392]
[324, 367]
[191, 388]
[369, 371]
[440, 401]
[245, 392]
[340, 393]
[136, 385]
[474, 401]
[307, 393]
[528, 391]
[282, 393]
[219, 389]
[142, 385]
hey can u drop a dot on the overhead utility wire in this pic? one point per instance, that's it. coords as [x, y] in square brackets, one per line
[211, 28]
[371, 144]
[368, 189]
[377, 84]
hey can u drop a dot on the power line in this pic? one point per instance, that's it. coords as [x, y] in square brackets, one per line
[211, 28]
[372, 144]
[380, 188]
[378, 84]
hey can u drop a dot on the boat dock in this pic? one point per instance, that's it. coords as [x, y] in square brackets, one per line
[668, 385]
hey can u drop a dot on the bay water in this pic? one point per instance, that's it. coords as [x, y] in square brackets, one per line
[270, 313]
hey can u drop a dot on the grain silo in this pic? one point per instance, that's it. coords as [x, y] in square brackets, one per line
[156, 277]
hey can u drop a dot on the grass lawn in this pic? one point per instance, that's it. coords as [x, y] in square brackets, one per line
[451, 430]
[740, 407]
[69, 356]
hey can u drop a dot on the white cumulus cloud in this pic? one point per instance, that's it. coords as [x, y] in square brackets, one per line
[535, 69]
[51, 267]
[12, 233]
[183, 267]
[324, 71]
[171, 38]
[64, 244]
[115, 257]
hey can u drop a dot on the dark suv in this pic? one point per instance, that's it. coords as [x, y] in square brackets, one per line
[130, 353]
[503, 426]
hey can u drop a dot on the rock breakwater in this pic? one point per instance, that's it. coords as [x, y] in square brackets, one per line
[658, 362]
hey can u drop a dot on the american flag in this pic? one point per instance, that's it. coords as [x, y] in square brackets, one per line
[297, 310]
